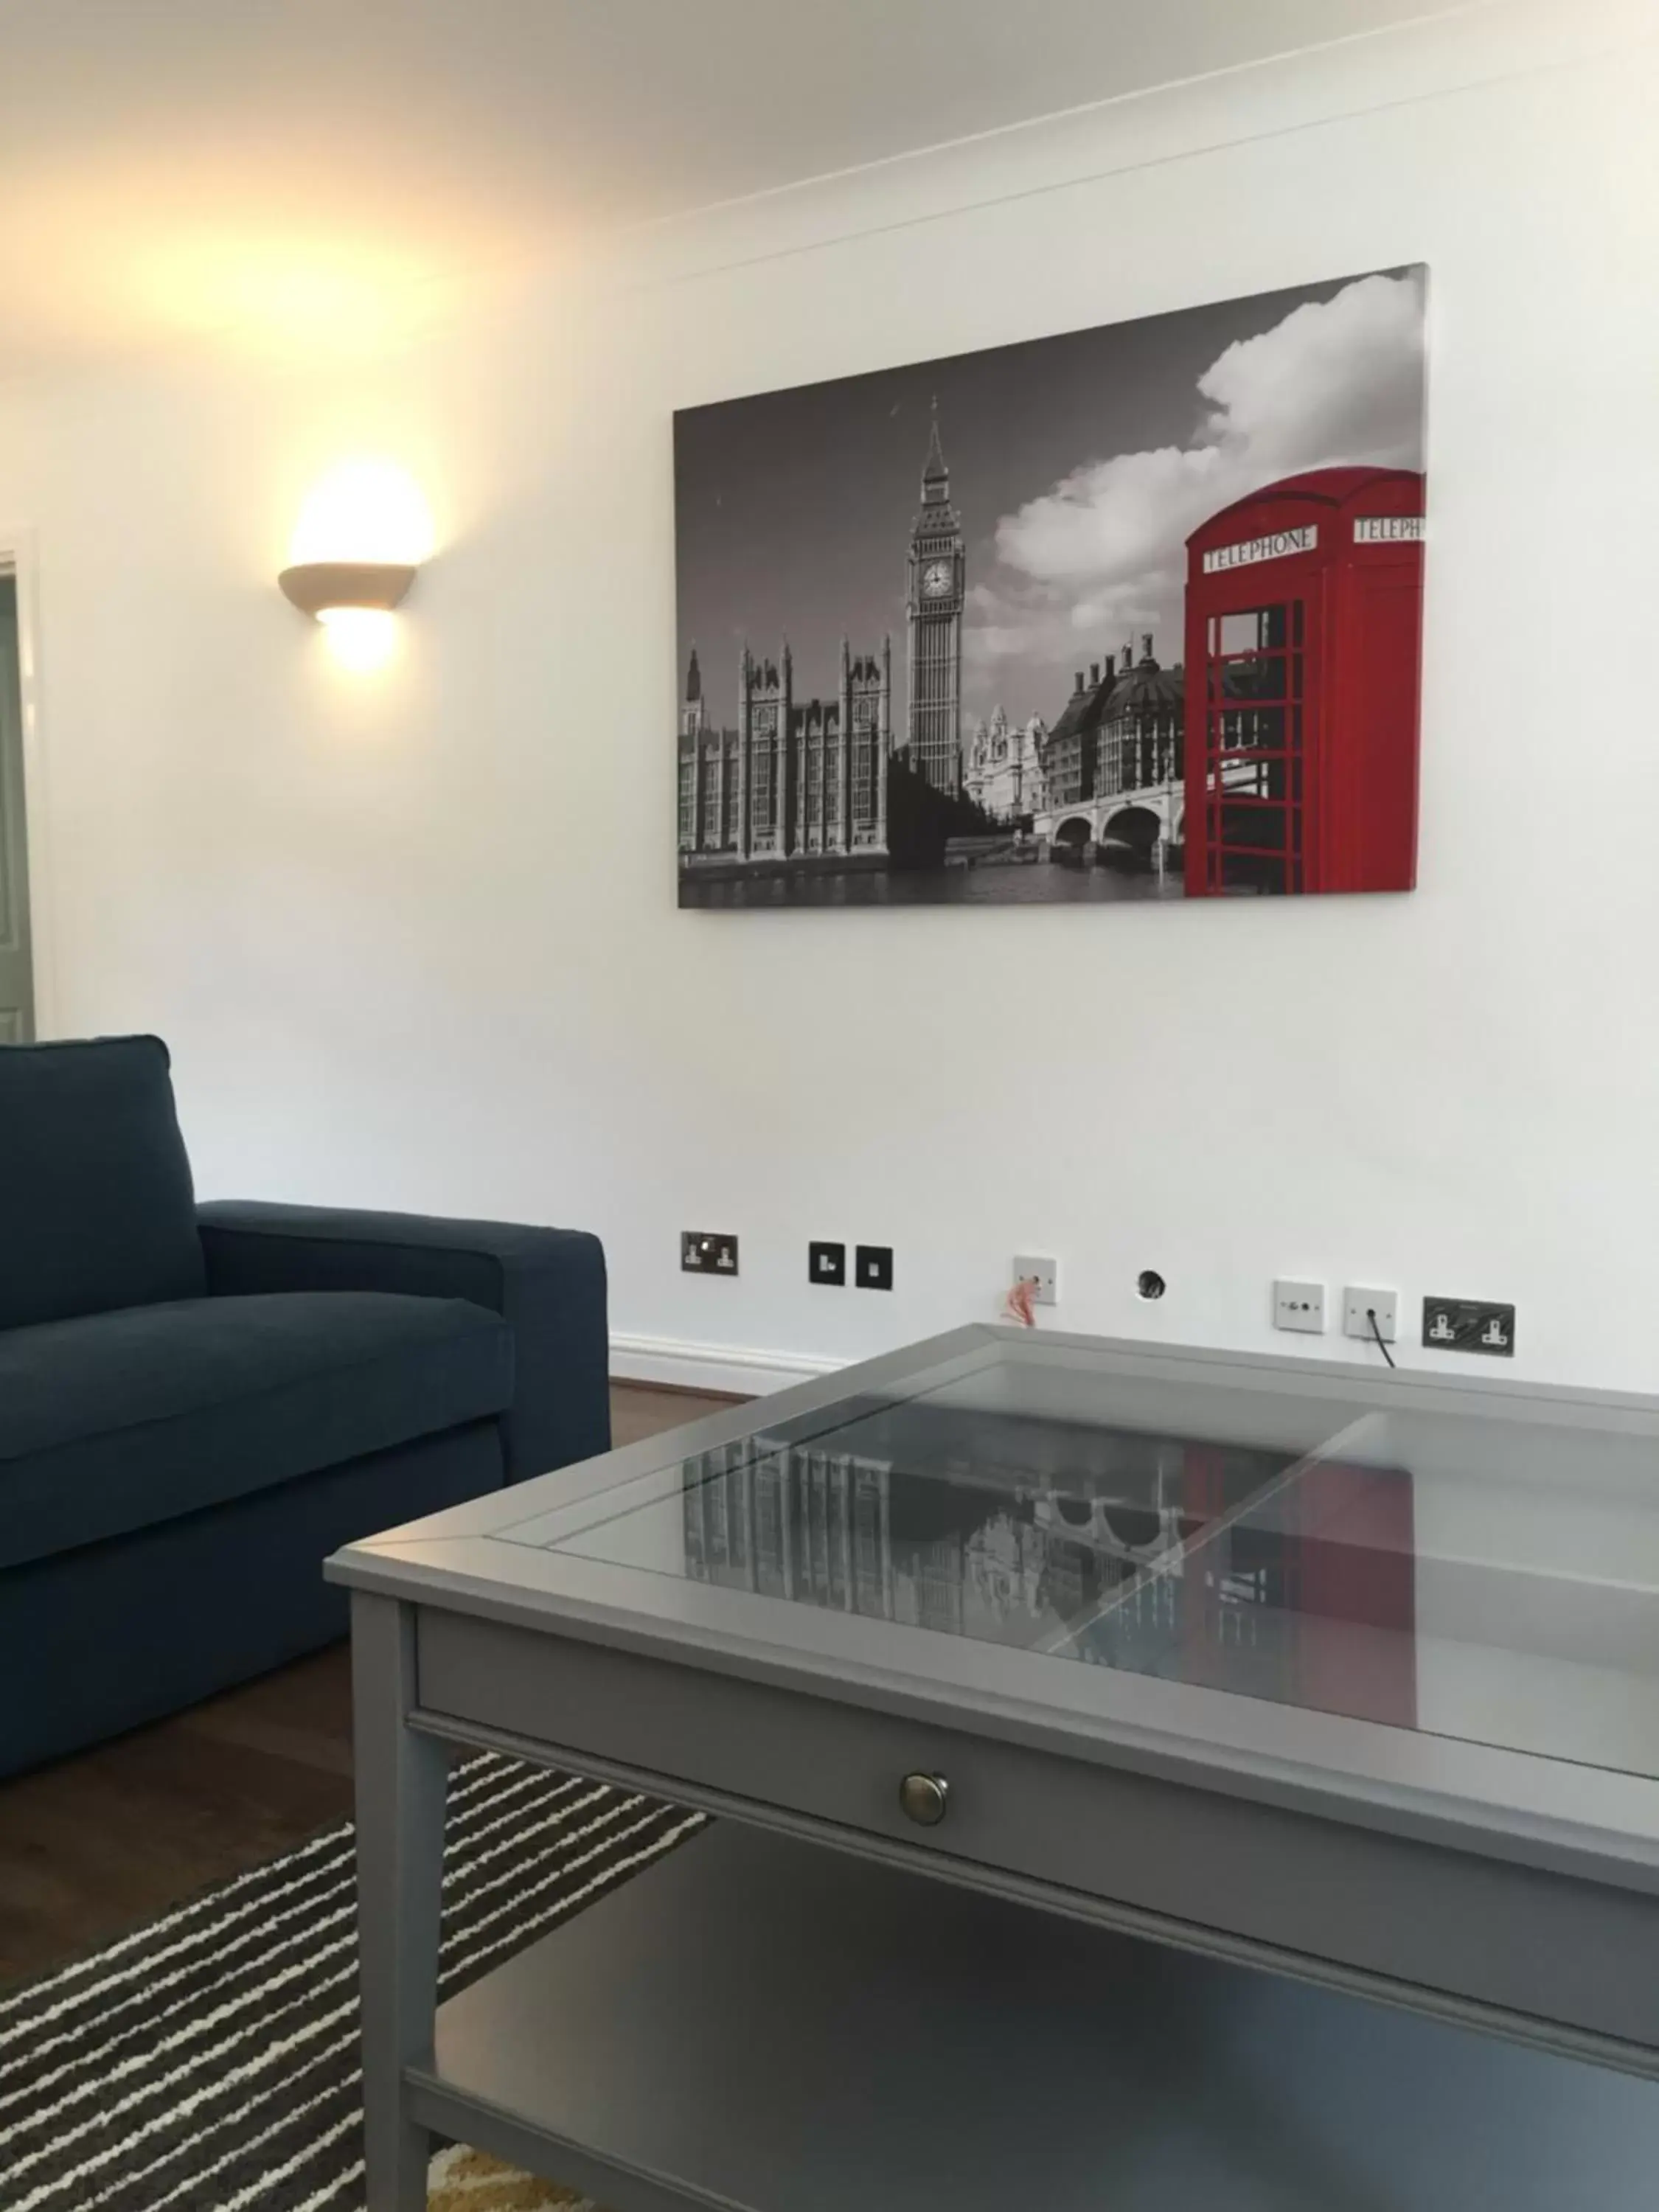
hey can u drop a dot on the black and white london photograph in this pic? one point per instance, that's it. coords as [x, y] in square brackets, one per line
[1128, 613]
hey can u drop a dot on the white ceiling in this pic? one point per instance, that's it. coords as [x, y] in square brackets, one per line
[303, 168]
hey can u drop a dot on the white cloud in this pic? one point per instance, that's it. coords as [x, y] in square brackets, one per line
[1044, 629]
[1338, 381]
[1341, 381]
[1109, 519]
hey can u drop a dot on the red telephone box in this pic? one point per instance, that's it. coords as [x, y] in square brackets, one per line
[1304, 612]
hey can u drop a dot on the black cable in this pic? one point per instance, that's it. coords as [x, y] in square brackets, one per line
[1376, 1331]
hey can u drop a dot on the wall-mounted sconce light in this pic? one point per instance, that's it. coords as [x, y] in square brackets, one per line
[362, 536]
[330, 587]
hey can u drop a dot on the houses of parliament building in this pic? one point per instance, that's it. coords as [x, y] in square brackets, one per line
[799, 779]
[796, 776]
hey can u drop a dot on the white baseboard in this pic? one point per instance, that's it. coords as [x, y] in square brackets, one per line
[733, 1367]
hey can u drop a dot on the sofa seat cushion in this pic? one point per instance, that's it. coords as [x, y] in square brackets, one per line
[115, 1421]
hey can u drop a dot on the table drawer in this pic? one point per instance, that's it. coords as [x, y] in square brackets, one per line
[1580, 1954]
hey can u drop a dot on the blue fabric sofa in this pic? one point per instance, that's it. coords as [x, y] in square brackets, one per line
[198, 1404]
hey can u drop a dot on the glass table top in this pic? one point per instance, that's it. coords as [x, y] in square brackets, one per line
[1484, 1567]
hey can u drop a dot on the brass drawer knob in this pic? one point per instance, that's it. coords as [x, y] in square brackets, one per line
[925, 1798]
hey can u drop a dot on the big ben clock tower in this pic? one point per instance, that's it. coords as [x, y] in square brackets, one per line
[933, 605]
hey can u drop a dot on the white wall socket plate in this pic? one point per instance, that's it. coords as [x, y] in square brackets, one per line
[1299, 1306]
[1032, 1267]
[1358, 1305]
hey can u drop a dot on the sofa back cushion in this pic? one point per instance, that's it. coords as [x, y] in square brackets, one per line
[96, 1207]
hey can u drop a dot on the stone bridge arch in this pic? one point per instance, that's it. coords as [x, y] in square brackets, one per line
[1134, 829]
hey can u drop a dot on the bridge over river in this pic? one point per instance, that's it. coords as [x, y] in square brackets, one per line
[1139, 827]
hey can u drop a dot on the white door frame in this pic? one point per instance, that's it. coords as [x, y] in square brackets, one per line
[19, 557]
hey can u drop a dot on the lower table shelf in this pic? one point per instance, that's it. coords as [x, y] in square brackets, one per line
[761, 2024]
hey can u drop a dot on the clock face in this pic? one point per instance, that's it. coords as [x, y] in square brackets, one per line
[936, 580]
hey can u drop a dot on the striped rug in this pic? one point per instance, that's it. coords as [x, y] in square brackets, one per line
[208, 2062]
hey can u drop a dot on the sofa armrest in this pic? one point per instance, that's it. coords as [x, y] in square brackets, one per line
[548, 1285]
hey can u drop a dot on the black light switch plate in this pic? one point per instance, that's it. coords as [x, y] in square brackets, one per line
[1469, 1325]
[827, 1263]
[873, 1267]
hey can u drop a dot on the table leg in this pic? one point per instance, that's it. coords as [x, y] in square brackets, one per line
[401, 1778]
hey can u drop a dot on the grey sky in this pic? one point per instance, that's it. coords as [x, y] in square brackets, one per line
[1078, 463]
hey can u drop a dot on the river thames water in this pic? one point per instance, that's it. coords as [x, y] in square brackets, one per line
[1039, 884]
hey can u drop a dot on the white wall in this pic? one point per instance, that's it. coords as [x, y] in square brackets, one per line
[413, 938]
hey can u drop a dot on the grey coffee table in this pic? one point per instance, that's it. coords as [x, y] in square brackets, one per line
[1093, 1730]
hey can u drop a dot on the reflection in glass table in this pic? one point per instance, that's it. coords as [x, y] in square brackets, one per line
[1491, 1580]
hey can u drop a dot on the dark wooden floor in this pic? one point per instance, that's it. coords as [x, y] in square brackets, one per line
[105, 1841]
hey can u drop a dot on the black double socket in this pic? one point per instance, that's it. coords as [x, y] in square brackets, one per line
[1478, 1325]
[708, 1252]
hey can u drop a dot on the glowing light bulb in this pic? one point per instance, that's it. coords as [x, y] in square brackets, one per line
[364, 510]
[361, 638]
